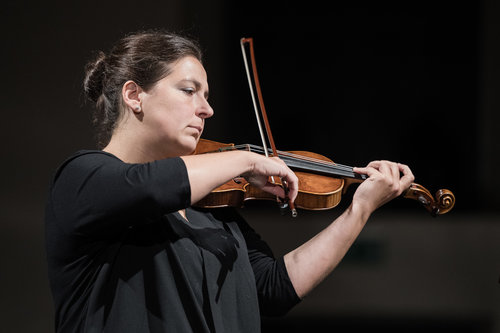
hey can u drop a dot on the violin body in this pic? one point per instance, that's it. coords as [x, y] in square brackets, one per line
[316, 192]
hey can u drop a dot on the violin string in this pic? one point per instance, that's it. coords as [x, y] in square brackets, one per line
[312, 160]
[320, 166]
[296, 156]
[315, 160]
[307, 159]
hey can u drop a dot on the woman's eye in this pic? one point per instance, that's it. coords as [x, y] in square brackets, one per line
[188, 91]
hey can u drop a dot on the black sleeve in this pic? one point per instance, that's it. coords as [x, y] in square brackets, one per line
[93, 191]
[275, 290]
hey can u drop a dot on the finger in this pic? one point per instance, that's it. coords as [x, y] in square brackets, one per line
[274, 189]
[408, 176]
[359, 170]
[394, 169]
[293, 186]
[368, 170]
[375, 165]
[384, 168]
[291, 180]
[388, 168]
[258, 180]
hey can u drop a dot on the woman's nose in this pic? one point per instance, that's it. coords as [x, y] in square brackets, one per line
[205, 110]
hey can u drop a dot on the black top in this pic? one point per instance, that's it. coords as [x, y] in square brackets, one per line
[122, 259]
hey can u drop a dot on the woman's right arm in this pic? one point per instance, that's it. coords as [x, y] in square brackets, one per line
[96, 190]
[208, 171]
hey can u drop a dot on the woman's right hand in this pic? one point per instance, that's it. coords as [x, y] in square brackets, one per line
[264, 167]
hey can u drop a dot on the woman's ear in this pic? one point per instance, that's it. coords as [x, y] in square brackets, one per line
[131, 96]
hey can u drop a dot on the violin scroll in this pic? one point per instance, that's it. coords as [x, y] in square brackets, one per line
[442, 203]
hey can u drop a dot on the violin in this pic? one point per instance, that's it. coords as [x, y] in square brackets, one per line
[321, 181]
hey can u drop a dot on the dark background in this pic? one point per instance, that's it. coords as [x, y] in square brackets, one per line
[415, 82]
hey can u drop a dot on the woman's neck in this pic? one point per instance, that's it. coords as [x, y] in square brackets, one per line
[130, 149]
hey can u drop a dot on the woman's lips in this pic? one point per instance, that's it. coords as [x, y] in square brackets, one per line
[197, 128]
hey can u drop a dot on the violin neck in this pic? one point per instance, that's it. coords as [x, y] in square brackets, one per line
[325, 169]
[306, 164]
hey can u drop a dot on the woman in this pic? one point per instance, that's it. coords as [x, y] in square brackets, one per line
[128, 253]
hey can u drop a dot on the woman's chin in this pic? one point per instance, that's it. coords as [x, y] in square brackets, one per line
[188, 146]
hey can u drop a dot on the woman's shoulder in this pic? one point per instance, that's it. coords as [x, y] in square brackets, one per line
[91, 154]
[84, 160]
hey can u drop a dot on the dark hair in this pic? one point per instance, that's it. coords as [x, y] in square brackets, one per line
[143, 57]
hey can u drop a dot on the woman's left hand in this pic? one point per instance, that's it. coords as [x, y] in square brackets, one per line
[386, 181]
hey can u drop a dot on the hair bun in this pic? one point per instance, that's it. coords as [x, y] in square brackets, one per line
[94, 76]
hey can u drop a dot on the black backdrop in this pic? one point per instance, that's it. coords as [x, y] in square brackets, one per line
[414, 82]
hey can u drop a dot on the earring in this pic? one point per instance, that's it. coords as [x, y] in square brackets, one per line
[137, 108]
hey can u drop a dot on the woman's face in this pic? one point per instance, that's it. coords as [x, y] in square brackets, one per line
[175, 109]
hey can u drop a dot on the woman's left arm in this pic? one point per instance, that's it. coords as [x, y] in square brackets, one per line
[310, 263]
